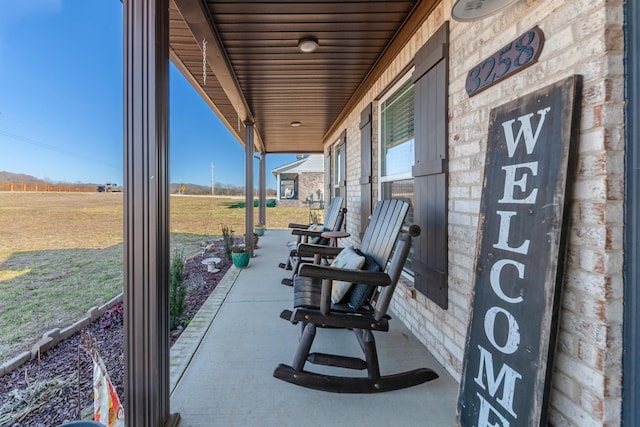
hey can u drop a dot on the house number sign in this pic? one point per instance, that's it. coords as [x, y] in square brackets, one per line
[516, 56]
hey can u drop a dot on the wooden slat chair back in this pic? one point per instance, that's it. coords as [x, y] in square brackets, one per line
[329, 217]
[333, 212]
[304, 234]
[318, 312]
[295, 259]
[377, 241]
[380, 235]
[334, 219]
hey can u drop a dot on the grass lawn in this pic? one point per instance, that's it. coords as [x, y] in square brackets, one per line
[61, 253]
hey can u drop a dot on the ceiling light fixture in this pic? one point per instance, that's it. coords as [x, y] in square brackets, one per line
[473, 10]
[307, 44]
[296, 124]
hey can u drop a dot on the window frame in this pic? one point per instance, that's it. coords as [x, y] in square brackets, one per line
[285, 180]
[382, 179]
[406, 273]
[339, 172]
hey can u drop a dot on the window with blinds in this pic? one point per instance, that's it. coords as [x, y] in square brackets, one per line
[397, 132]
[338, 171]
[397, 153]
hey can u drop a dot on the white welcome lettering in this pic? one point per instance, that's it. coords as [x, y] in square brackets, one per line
[510, 183]
[494, 278]
[503, 234]
[530, 139]
[513, 335]
[506, 377]
[487, 409]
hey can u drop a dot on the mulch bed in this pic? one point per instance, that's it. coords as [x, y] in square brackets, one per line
[73, 368]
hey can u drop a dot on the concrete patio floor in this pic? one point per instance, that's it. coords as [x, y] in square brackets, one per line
[222, 365]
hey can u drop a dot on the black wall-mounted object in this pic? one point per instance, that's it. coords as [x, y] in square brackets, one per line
[366, 166]
[511, 59]
[430, 171]
[531, 152]
[631, 338]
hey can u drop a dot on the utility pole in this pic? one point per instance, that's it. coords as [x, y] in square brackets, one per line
[213, 193]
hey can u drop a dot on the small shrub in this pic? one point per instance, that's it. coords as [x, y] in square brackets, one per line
[227, 236]
[177, 290]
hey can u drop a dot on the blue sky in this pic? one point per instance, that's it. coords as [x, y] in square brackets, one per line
[61, 101]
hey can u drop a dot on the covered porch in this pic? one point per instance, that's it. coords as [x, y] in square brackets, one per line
[321, 77]
[255, 65]
[222, 365]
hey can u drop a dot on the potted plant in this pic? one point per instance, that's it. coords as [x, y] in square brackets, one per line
[259, 229]
[240, 256]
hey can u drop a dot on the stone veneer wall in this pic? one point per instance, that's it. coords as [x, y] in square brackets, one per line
[582, 37]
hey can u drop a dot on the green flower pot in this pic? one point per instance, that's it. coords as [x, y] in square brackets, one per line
[240, 259]
[259, 231]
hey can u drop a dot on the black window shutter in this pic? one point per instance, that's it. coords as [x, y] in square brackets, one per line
[430, 78]
[327, 176]
[365, 167]
[343, 165]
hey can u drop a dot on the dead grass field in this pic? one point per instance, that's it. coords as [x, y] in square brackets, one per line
[61, 253]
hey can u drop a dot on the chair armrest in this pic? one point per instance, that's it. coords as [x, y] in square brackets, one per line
[309, 249]
[305, 232]
[294, 225]
[347, 275]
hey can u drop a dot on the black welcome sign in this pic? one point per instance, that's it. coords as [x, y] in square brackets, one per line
[524, 212]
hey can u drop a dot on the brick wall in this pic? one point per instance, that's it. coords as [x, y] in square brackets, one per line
[308, 183]
[582, 37]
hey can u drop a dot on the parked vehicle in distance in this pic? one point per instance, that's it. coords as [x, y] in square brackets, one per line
[109, 187]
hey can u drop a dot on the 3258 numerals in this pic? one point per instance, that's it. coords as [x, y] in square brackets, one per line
[517, 55]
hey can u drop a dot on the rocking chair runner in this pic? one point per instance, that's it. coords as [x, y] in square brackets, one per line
[317, 312]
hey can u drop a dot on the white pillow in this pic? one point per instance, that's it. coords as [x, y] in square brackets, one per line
[347, 258]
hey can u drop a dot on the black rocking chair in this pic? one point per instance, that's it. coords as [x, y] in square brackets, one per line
[313, 309]
[334, 218]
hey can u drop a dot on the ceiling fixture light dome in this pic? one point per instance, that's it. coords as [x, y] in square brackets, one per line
[296, 124]
[307, 45]
[472, 10]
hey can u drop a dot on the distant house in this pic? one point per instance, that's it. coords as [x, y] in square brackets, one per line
[300, 182]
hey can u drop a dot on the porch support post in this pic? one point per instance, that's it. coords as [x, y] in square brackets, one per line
[263, 189]
[631, 336]
[278, 187]
[248, 180]
[146, 214]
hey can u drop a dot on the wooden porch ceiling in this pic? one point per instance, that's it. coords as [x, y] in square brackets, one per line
[256, 72]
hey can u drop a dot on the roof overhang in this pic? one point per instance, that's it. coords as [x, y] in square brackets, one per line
[255, 72]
